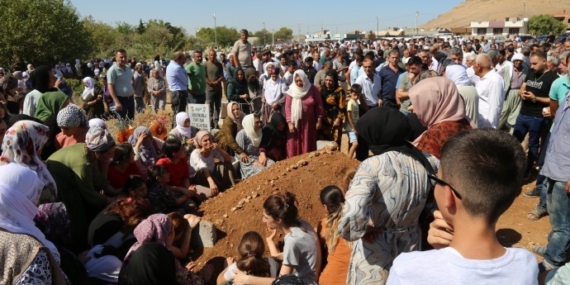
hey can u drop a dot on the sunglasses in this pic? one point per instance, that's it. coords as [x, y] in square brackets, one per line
[436, 180]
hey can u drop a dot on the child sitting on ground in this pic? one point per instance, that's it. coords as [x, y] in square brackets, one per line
[480, 176]
[251, 249]
[353, 114]
[160, 193]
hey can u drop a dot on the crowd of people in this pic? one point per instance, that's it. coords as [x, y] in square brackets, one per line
[448, 123]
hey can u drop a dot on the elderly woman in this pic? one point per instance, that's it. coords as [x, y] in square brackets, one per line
[78, 172]
[157, 89]
[28, 257]
[183, 130]
[304, 114]
[203, 167]
[147, 149]
[268, 69]
[92, 99]
[334, 104]
[273, 98]
[249, 139]
[226, 137]
[385, 198]
[22, 145]
[73, 124]
[440, 108]
[238, 90]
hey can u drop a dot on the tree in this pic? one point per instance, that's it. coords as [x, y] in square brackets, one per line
[41, 32]
[263, 36]
[544, 24]
[284, 34]
[141, 27]
[105, 38]
[226, 36]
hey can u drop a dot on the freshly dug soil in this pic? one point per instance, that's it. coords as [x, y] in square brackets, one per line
[303, 175]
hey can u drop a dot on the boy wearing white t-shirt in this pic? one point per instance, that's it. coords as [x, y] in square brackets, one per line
[480, 176]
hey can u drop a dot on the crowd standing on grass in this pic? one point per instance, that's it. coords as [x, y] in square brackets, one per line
[454, 128]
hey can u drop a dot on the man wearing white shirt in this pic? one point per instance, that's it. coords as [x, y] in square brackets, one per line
[370, 83]
[491, 92]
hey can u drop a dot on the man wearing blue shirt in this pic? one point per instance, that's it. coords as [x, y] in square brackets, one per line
[178, 84]
[120, 84]
[388, 77]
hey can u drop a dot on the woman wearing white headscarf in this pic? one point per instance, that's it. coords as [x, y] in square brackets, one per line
[466, 88]
[28, 257]
[273, 99]
[304, 113]
[249, 139]
[183, 130]
[92, 99]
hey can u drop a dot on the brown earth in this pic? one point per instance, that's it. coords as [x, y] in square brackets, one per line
[494, 10]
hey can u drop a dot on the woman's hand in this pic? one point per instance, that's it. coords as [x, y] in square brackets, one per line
[257, 164]
[319, 125]
[193, 220]
[271, 234]
[214, 188]
[243, 96]
[243, 157]
[275, 106]
[240, 278]
[440, 233]
[141, 138]
[337, 122]
[291, 127]
[229, 261]
[191, 265]
[263, 159]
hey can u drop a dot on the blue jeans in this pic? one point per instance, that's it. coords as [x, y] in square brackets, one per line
[139, 104]
[128, 110]
[533, 126]
[197, 98]
[558, 201]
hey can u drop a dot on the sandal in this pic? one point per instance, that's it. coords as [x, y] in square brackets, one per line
[536, 214]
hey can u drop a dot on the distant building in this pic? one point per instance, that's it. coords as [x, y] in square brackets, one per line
[510, 26]
[563, 17]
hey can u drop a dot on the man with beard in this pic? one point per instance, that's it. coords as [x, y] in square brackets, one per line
[534, 93]
[196, 79]
[214, 78]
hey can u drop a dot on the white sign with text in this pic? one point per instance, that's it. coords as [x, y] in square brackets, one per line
[199, 116]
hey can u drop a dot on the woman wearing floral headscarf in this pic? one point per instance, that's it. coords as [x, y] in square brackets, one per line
[92, 99]
[157, 228]
[79, 171]
[28, 257]
[73, 124]
[304, 114]
[334, 105]
[250, 140]
[22, 144]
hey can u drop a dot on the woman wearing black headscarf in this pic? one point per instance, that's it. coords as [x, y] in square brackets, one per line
[387, 195]
[274, 139]
[151, 264]
[334, 103]
[238, 91]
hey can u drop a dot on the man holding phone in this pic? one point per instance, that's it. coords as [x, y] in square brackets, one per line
[534, 93]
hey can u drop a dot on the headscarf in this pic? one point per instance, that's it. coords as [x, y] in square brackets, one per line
[49, 105]
[249, 128]
[20, 190]
[89, 88]
[151, 264]
[21, 117]
[273, 90]
[385, 129]
[240, 84]
[199, 136]
[237, 121]
[458, 74]
[180, 119]
[297, 93]
[53, 220]
[147, 151]
[270, 131]
[98, 139]
[334, 75]
[21, 145]
[40, 79]
[18, 75]
[155, 228]
[96, 122]
[71, 116]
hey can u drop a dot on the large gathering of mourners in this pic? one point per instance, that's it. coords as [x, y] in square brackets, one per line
[446, 132]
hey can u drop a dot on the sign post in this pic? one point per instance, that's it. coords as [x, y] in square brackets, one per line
[199, 116]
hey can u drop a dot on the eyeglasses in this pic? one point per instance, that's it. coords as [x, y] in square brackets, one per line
[435, 180]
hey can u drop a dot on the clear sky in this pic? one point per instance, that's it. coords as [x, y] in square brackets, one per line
[334, 15]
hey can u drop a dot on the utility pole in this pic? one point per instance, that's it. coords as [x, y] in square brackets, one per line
[273, 39]
[377, 27]
[264, 32]
[524, 8]
[417, 14]
[215, 32]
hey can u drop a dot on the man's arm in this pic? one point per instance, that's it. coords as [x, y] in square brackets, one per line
[112, 78]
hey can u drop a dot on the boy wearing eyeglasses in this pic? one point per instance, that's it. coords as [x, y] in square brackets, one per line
[480, 176]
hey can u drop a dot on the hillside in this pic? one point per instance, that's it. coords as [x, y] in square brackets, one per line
[494, 10]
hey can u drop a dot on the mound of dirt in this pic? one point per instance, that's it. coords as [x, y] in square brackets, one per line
[240, 209]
